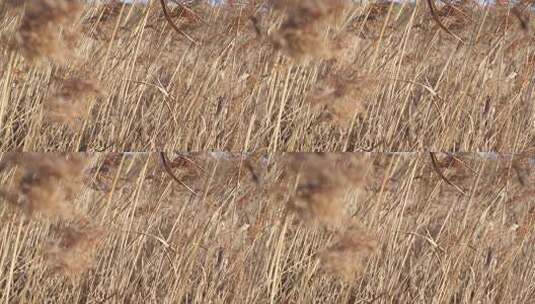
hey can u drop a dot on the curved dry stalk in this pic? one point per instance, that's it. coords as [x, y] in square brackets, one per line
[433, 10]
[173, 176]
[165, 10]
[426, 87]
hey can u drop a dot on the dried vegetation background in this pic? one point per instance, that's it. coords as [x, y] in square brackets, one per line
[266, 228]
[305, 75]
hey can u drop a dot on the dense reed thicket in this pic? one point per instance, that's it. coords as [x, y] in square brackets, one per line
[288, 76]
[266, 228]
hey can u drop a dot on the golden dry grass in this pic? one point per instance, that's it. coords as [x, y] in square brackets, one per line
[409, 236]
[267, 226]
[304, 76]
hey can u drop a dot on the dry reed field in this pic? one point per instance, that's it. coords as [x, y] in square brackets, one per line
[276, 75]
[266, 228]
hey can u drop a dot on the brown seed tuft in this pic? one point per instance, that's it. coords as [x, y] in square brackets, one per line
[44, 183]
[348, 254]
[301, 36]
[73, 251]
[323, 180]
[300, 44]
[38, 36]
[71, 102]
[342, 98]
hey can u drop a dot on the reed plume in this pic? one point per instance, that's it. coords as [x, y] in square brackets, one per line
[302, 35]
[44, 183]
[38, 37]
[70, 103]
[323, 179]
[348, 254]
[73, 249]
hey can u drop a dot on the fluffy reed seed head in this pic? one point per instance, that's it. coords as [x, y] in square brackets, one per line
[341, 98]
[349, 253]
[38, 36]
[72, 252]
[44, 183]
[301, 35]
[70, 103]
[323, 179]
[310, 12]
